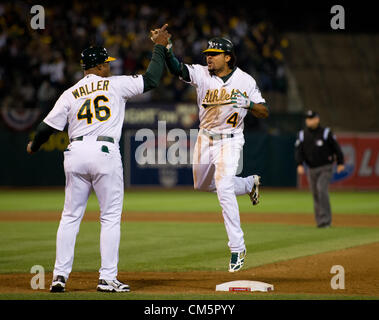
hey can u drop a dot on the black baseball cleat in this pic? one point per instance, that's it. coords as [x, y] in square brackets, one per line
[58, 284]
[112, 286]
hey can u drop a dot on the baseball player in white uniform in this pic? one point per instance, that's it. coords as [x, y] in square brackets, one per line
[94, 110]
[225, 94]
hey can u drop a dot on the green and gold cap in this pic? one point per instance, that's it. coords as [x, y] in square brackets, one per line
[93, 56]
[219, 45]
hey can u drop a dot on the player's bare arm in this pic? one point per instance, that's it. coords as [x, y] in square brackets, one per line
[259, 110]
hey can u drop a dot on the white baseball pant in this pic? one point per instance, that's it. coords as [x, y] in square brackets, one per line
[215, 164]
[87, 165]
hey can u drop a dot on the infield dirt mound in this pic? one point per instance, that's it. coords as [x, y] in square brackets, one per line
[310, 275]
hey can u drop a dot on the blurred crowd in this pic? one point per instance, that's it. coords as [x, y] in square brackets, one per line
[38, 65]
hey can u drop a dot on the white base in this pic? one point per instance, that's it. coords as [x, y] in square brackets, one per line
[245, 285]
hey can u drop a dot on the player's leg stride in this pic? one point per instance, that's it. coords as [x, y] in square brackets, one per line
[112, 286]
[237, 260]
[58, 284]
[254, 194]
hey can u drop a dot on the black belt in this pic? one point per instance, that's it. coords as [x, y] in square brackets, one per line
[99, 138]
[218, 136]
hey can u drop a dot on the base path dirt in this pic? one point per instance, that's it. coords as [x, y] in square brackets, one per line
[307, 275]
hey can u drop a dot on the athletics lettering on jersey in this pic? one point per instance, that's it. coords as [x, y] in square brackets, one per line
[214, 98]
[216, 112]
[87, 89]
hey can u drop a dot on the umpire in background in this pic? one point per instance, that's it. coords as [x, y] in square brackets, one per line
[317, 148]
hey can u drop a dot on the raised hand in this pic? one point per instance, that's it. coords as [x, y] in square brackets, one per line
[154, 34]
[160, 36]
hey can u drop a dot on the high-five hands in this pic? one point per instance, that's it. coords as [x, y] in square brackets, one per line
[156, 33]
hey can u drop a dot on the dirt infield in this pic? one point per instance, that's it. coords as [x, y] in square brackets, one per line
[343, 220]
[309, 275]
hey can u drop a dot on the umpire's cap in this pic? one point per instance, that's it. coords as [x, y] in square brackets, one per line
[311, 114]
[93, 56]
[220, 45]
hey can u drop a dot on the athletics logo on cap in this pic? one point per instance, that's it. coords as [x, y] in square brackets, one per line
[219, 45]
[94, 56]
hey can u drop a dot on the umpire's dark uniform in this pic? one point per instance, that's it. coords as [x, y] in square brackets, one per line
[318, 148]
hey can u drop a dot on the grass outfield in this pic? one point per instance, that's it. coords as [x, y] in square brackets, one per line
[172, 246]
[272, 201]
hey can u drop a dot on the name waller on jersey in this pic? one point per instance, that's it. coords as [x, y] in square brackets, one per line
[102, 85]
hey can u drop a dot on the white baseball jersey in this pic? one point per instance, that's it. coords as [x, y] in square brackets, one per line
[215, 162]
[95, 106]
[216, 113]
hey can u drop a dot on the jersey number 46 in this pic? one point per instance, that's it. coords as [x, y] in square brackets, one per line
[102, 113]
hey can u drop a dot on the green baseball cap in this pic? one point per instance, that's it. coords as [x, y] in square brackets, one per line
[219, 45]
[93, 56]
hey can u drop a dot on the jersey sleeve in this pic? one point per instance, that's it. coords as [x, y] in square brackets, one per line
[129, 86]
[57, 117]
[255, 94]
[195, 73]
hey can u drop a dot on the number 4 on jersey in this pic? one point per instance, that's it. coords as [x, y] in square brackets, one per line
[233, 119]
[85, 110]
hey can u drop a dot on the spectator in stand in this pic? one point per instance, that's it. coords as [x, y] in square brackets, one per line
[121, 26]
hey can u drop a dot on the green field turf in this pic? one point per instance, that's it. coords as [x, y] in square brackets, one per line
[179, 246]
[171, 246]
[272, 201]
